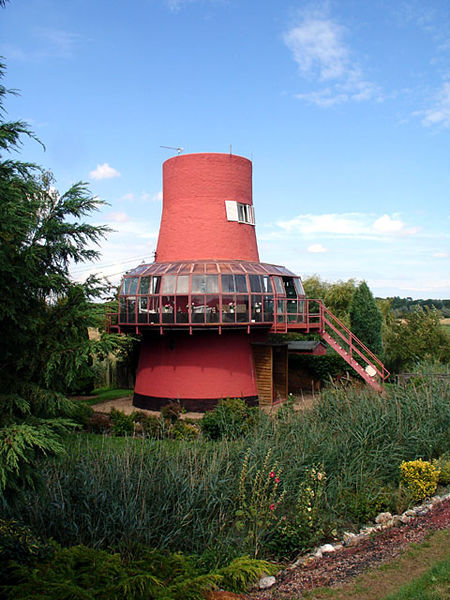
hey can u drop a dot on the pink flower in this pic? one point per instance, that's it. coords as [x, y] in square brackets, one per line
[284, 518]
[277, 480]
[272, 507]
[272, 474]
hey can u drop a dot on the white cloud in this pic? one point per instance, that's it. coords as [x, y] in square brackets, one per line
[151, 197]
[51, 43]
[104, 171]
[387, 224]
[347, 225]
[316, 249]
[439, 114]
[318, 47]
[60, 42]
[440, 254]
[119, 217]
[137, 229]
[128, 197]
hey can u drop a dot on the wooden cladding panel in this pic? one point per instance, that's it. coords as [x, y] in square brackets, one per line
[262, 356]
[280, 373]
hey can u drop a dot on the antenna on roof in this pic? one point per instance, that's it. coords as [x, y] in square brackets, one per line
[179, 149]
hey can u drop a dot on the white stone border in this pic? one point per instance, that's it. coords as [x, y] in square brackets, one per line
[383, 521]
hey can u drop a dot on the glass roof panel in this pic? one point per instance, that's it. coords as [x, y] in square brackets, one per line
[211, 267]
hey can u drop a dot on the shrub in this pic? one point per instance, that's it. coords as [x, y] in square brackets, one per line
[122, 424]
[19, 544]
[82, 572]
[171, 411]
[99, 423]
[362, 502]
[184, 431]
[231, 419]
[148, 425]
[420, 477]
[442, 464]
[82, 413]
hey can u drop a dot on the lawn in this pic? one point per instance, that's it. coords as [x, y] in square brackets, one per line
[104, 394]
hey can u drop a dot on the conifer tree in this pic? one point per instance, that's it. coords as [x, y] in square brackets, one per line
[366, 319]
[44, 315]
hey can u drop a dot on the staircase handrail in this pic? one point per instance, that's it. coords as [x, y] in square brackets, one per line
[353, 341]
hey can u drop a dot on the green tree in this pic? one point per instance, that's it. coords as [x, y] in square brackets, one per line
[418, 335]
[336, 296]
[339, 297]
[315, 288]
[44, 315]
[366, 319]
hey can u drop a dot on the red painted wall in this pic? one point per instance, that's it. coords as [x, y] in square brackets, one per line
[194, 224]
[203, 365]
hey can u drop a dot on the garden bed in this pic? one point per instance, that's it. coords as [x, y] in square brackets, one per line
[338, 568]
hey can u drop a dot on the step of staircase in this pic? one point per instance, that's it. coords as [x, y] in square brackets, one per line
[352, 362]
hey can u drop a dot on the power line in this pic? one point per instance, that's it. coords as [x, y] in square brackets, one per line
[103, 266]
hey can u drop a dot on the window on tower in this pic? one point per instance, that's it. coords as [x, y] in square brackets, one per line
[238, 211]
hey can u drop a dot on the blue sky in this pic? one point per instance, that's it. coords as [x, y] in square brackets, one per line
[344, 108]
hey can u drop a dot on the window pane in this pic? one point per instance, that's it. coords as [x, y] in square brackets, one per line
[131, 306]
[268, 308]
[241, 212]
[256, 308]
[266, 285]
[241, 283]
[279, 287]
[255, 283]
[198, 284]
[198, 309]
[212, 309]
[299, 286]
[142, 309]
[182, 309]
[227, 284]
[291, 292]
[122, 310]
[133, 285]
[228, 309]
[155, 285]
[153, 309]
[292, 309]
[183, 284]
[144, 285]
[168, 284]
[242, 309]
[280, 311]
[167, 309]
[212, 284]
[123, 287]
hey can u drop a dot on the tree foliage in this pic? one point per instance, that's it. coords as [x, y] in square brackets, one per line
[44, 315]
[419, 335]
[366, 319]
[336, 296]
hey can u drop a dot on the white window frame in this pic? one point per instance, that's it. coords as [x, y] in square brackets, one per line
[240, 212]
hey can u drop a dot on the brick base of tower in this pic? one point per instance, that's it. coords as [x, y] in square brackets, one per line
[197, 370]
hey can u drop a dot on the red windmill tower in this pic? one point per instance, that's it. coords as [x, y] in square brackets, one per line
[206, 306]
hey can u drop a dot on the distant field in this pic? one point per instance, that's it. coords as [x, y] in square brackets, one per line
[446, 324]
